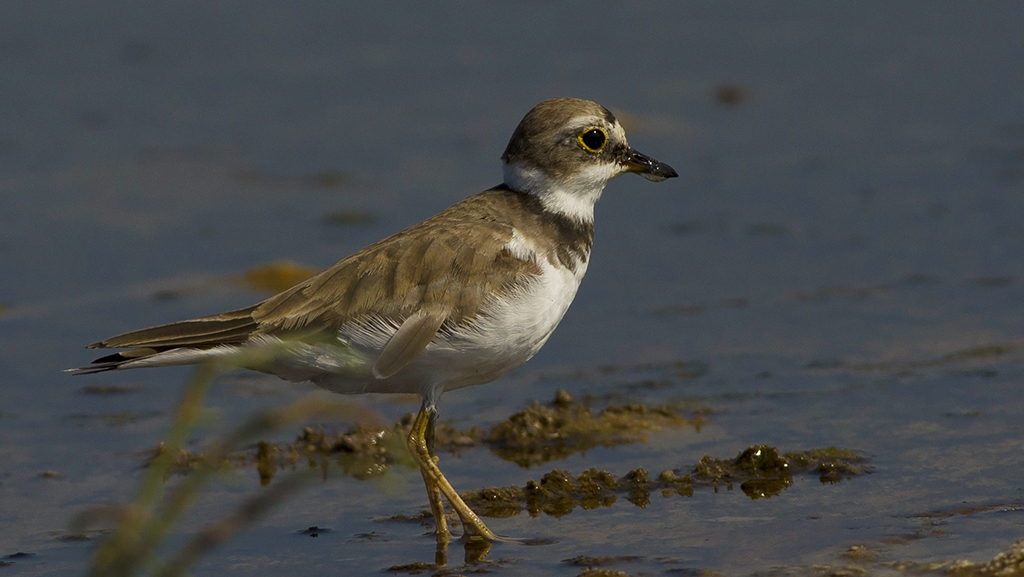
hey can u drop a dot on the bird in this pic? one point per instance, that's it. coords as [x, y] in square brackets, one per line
[457, 300]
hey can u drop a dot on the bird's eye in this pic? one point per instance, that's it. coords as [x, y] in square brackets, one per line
[593, 139]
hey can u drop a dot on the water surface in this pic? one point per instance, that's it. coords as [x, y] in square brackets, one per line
[841, 255]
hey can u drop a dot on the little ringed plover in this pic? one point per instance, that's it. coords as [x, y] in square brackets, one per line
[456, 300]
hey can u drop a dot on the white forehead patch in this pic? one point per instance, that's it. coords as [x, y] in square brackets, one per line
[618, 133]
[579, 123]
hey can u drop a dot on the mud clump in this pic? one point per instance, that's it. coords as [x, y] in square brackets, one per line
[762, 472]
[543, 433]
[361, 452]
[1009, 562]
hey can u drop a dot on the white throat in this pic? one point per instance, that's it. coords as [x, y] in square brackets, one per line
[573, 197]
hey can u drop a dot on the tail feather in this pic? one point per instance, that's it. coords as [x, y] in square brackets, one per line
[114, 361]
[233, 327]
[230, 327]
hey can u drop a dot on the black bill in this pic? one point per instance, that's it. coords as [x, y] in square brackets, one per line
[648, 168]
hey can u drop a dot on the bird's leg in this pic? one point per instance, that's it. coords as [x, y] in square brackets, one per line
[435, 480]
[422, 451]
[471, 523]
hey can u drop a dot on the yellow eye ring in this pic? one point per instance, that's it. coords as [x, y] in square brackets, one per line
[593, 139]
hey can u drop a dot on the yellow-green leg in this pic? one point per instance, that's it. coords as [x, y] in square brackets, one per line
[442, 532]
[420, 444]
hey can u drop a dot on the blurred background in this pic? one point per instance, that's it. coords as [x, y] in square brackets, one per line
[841, 256]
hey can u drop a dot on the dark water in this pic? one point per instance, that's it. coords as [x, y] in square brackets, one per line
[842, 254]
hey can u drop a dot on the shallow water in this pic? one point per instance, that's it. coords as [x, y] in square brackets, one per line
[839, 263]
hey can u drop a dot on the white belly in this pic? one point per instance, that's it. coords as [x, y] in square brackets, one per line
[511, 331]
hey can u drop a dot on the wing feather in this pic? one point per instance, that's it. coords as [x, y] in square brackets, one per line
[447, 262]
[408, 341]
